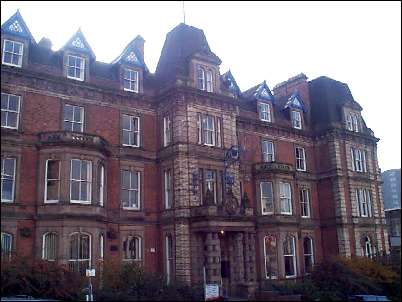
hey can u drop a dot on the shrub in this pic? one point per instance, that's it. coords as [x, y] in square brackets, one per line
[40, 279]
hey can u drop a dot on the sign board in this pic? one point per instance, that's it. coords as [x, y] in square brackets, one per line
[90, 272]
[211, 291]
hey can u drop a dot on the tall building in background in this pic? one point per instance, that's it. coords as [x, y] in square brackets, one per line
[179, 170]
[392, 204]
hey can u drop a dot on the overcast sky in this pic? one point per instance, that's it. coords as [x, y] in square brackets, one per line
[358, 43]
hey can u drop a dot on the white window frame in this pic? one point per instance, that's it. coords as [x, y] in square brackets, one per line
[102, 185]
[47, 179]
[368, 246]
[168, 189]
[265, 150]
[201, 78]
[264, 199]
[208, 129]
[78, 260]
[6, 250]
[88, 181]
[283, 198]
[358, 160]
[209, 80]
[308, 255]
[72, 122]
[138, 250]
[293, 255]
[296, 119]
[13, 53]
[7, 110]
[130, 189]
[132, 130]
[81, 68]
[8, 177]
[355, 122]
[45, 253]
[132, 80]
[169, 257]
[349, 121]
[264, 115]
[266, 260]
[305, 202]
[167, 131]
[364, 202]
[300, 155]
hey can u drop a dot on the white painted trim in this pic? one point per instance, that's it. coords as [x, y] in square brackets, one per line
[22, 53]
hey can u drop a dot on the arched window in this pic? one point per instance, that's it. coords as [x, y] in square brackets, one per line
[289, 255]
[49, 246]
[6, 245]
[367, 247]
[271, 257]
[209, 81]
[132, 248]
[201, 78]
[169, 257]
[80, 252]
[308, 250]
[101, 184]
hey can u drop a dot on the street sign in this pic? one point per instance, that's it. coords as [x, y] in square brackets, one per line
[211, 291]
[90, 272]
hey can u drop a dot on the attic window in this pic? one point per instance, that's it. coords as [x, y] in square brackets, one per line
[296, 119]
[75, 68]
[130, 80]
[352, 121]
[12, 53]
[264, 112]
[204, 79]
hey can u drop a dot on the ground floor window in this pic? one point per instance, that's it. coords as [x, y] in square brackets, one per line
[80, 252]
[289, 255]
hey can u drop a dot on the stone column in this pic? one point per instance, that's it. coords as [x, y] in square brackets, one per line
[183, 258]
[239, 257]
[249, 257]
[212, 257]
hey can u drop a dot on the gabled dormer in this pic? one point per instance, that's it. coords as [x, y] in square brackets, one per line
[229, 84]
[262, 95]
[131, 66]
[77, 57]
[295, 108]
[15, 41]
[352, 116]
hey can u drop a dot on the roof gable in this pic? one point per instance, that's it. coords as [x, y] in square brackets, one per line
[131, 55]
[230, 83]
[16, 26]
[78, 43]
[295, 102]
[260, 92]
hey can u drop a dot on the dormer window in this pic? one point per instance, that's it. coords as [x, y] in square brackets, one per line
[264, 112]
[75, 67]
[130, 80]
[204, 79]
[12, 53]
[352, 121]
[296, 119]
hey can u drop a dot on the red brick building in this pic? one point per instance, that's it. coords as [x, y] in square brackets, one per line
[178, 169]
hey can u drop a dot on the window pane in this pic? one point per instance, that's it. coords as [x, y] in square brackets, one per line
[126, 122]
[134, 138]
[84, 191]
[7, 189]
[52, 192]
[289, 269]
[3, 118]
[126, 137]
[125, 198]
[134, 180]
[53, 169]
[12, 119]
[68, 112]
[8, 46]
[75, 190]
[84, 170]
[4, 101]
[125, 175]
[13, 102]
[75, 169]
[17, 48]
[78, 113]
[8, 166]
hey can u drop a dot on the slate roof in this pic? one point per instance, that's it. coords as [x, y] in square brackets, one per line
[181, 43]
[327, 96]
[16, 25]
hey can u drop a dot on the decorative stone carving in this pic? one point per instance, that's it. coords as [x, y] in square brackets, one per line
[78, 43]
[15, 26]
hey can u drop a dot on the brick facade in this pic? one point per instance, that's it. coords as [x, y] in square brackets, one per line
[223, 230]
